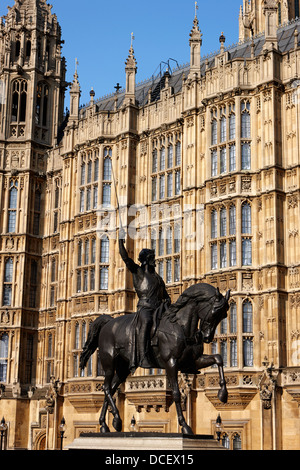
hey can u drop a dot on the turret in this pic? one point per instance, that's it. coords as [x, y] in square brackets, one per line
[131, 70]
[75, 93]
[195, 46]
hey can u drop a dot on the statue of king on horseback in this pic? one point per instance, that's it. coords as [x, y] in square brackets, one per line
[159, 335]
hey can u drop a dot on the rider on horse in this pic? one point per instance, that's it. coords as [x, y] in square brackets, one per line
[152, 295]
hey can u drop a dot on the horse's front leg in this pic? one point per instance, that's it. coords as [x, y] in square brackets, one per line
[172, 374]
[207, 361]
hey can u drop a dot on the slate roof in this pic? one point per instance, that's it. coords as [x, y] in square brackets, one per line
[286, 41]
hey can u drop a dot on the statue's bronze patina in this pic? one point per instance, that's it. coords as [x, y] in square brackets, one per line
[160, 335]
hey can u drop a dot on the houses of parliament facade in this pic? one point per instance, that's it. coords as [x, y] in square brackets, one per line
[200, 163]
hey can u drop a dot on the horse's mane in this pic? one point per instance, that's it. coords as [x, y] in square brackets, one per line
[198, 293]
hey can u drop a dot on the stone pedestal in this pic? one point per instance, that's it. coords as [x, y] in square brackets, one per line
[155, 442]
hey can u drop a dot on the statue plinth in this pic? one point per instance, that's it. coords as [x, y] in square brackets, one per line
[156, 442]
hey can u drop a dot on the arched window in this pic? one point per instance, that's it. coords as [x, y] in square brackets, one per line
[3, 356]
[247, 317]
[19, 100]
[237, 442]
[226, 441]
[245, 120]
[28, 49]
[18, 48]
[12, 206]
[154, 161]
[107, 164]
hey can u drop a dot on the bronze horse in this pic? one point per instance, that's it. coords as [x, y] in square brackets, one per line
[177, 345]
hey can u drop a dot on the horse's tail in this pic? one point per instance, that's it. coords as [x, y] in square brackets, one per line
[92, 339]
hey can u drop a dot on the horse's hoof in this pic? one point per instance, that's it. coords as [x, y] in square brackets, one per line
[223, 395]
[117, 424]
[104, 429]
[187, 430]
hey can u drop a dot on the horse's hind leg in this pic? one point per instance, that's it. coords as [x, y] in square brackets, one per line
[172, 373]
[111, 383]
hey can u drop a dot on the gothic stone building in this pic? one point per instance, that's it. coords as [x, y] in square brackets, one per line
[206, 164]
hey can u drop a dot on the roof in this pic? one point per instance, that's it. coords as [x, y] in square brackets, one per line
[286, 42]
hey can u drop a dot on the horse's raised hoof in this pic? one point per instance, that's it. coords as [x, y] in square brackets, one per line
[187, 430]
[117, 424]
[104, 429]
[223, 395]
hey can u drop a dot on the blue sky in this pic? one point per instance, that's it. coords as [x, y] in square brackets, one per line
[98, 33]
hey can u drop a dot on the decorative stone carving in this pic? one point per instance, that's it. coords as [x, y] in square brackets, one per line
[267, 385]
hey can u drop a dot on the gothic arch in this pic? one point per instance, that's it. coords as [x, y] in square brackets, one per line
[40, 441]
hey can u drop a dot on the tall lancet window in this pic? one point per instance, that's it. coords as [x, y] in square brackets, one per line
[107, 177]
[19, 100]
[7, 285]
[12, 206]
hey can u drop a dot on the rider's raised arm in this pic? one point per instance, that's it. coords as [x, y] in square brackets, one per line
[131, 265]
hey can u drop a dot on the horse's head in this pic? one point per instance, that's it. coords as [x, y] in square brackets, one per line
[214, 316]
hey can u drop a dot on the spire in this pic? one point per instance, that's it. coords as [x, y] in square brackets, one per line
[75, 93]
[195, 44]
[131, 70]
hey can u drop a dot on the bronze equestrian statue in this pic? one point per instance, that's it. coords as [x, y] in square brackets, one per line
[160, 335]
